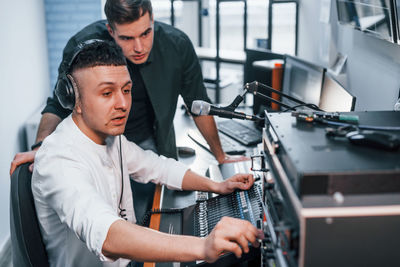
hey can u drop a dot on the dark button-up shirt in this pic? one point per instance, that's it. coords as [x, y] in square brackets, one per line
[172, 69]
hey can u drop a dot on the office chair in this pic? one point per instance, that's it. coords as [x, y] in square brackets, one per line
[27, 245]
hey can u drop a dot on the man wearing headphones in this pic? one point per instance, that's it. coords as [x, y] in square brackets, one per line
[162, 64]
[82, 172]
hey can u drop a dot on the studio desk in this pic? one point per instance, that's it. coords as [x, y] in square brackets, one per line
[203, 163]
[326, 201]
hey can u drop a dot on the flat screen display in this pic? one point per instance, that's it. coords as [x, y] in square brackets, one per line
[397, 11]
[302, 80]
[334, 97]
[374, 17]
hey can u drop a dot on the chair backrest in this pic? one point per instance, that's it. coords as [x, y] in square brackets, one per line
[27, 245]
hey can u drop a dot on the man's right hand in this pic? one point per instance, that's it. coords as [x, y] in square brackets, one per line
[22, 158]
[231, 235]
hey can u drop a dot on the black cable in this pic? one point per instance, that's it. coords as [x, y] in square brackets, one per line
[365, 127]
[312, 106]
[122, 212]
[146, 217]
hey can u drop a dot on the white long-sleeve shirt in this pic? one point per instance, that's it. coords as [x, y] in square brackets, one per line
[76, 185]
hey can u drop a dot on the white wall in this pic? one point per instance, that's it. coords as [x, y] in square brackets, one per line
[24, 84]
[373, 65]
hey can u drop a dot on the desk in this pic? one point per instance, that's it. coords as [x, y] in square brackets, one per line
[165, 198]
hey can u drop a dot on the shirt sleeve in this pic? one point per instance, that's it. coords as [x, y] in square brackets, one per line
[66, 185]
[192, 78]
[145, 166]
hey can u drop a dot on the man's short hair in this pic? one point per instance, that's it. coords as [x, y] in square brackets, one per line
[99, 53]
[126, 11]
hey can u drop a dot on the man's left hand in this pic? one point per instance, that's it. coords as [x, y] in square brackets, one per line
[238, 181]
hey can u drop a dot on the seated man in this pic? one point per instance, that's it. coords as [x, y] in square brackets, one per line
[81, 177]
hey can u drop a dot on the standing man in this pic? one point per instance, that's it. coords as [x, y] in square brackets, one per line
[81, 175]
[162, 65]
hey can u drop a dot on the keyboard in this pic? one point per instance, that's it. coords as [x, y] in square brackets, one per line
[247, 135]
[230, 147]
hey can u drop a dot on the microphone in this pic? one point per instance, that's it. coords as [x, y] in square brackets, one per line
[200, 107]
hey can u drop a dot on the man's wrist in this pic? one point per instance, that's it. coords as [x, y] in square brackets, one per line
[215, 187]
[201, 248]
[36, 145]
[221, 158]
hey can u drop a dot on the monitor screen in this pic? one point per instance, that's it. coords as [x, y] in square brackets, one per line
[371, 16]
[302, 80]
[397, 11]
[334, 97]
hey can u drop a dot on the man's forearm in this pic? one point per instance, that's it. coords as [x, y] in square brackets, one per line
[126, 240]
[192, 181]
[47, 125]
[208, 128]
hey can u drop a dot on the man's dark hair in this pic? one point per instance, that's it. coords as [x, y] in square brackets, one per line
[126, 11]
[97, 53]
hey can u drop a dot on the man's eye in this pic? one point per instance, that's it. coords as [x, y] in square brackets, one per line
[106, 93]
[127, 91]
[145, 34]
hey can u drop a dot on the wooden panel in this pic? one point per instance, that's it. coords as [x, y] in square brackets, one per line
[155, 218]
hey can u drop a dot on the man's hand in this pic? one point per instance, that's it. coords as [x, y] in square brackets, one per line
[238, 181]
[231, 235]
[22, 158]
[229, 159]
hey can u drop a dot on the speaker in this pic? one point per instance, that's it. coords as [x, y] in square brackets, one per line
[66, 86]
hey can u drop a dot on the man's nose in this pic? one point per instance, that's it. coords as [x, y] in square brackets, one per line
[138, 47]
[122, 101]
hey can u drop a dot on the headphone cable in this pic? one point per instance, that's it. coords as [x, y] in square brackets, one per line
[122, 212]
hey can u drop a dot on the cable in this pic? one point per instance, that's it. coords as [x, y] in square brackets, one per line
[146, 217]
[122, 212]
[312, 106]
[366, 127]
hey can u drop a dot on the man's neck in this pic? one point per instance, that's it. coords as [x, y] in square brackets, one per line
[93, 135]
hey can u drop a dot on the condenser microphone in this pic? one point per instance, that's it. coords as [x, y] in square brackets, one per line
[200, 107]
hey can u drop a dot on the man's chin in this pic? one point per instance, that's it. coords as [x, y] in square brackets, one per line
[116, 132]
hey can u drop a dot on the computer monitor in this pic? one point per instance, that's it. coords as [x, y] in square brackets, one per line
[397, 12]
[373, 17]
[302, 80]
[334, 97]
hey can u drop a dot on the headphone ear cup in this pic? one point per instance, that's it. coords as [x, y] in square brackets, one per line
[65, 92]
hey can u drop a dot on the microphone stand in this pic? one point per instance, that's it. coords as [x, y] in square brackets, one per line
[253, 88]
[236, 102]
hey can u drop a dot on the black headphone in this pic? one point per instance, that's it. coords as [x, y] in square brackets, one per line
[66, 86]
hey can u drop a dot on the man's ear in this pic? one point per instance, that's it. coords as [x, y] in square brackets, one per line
[77, 107]
[78, 102]
[110, 30]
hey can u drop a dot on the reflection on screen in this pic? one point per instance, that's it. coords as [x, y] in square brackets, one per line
[372, 16]
[302, 80]
[334, 97]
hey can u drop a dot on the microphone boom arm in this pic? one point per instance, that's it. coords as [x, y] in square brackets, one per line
[253, 88]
